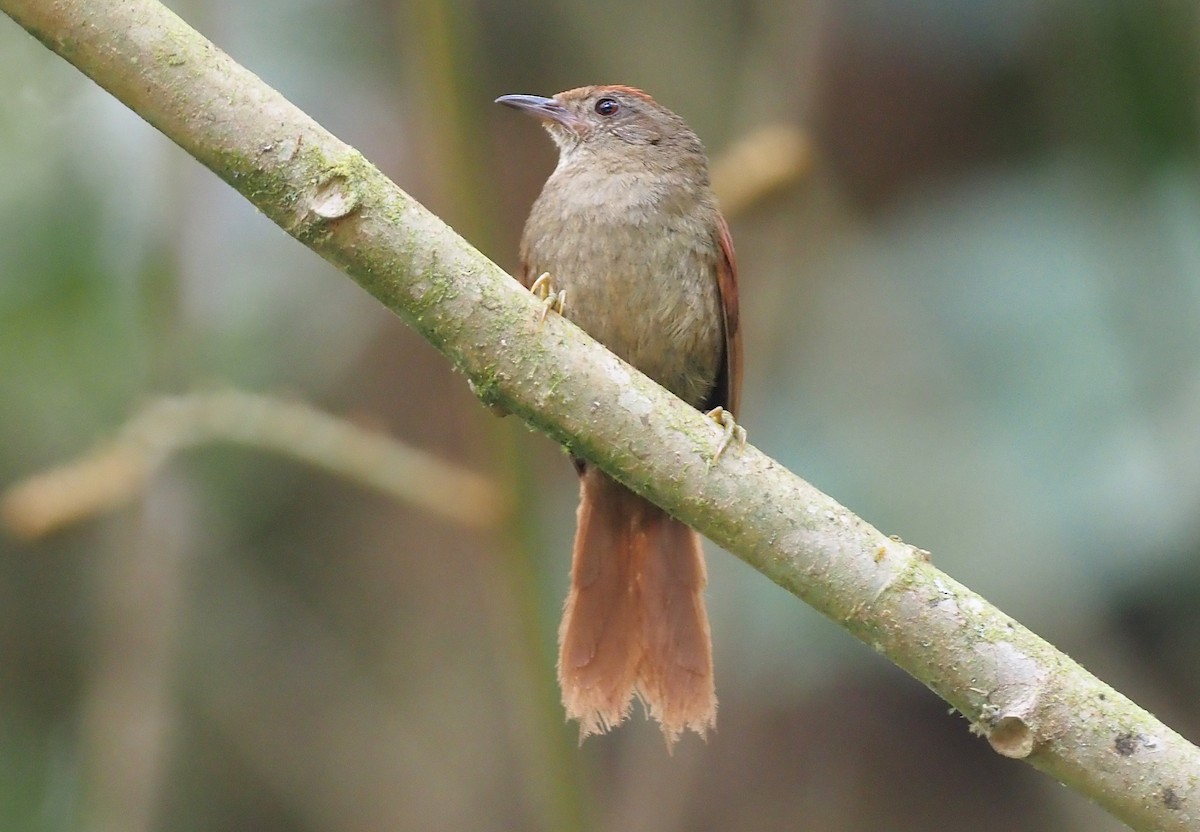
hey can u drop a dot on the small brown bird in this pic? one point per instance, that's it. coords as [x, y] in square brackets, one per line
[629, 233]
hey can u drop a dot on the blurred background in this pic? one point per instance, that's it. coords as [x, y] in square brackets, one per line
[972, 320]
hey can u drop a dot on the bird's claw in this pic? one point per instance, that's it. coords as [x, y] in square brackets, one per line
[543, 288]
[734, 433]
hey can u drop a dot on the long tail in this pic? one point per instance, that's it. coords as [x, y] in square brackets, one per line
[634, 621]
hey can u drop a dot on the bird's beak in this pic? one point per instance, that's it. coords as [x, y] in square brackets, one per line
[546, 109]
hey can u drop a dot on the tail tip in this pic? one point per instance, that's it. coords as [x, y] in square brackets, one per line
[674, 719]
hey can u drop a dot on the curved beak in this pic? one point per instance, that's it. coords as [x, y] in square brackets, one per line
[545, 109]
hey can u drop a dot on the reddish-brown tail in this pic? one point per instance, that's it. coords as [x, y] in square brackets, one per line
[634, 620]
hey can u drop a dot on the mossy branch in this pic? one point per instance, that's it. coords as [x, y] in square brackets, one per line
[1028, 699]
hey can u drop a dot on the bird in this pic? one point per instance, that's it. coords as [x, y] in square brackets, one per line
[627, 241]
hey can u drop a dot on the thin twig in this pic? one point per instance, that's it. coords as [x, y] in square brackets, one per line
[119, 470]
[760, 164]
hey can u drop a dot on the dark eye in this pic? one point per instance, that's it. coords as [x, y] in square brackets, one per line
[607, 107]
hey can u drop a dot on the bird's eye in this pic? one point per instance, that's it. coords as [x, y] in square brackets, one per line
[607, 107]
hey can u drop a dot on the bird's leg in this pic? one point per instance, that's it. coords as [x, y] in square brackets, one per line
[733, 431]
[543, 288]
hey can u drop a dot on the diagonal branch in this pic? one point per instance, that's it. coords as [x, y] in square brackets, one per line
[1030, 701]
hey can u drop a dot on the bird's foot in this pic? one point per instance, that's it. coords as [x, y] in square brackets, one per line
[734, 433]
[543, 288]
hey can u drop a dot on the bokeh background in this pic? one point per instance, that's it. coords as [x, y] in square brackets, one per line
[973, 321]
